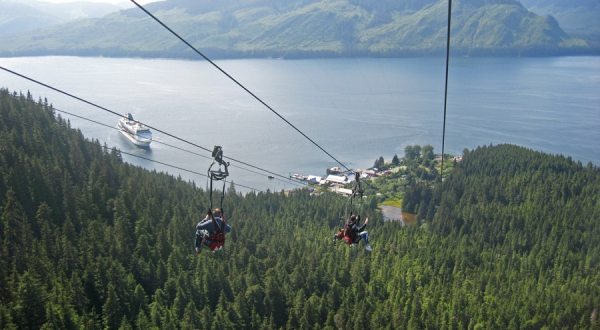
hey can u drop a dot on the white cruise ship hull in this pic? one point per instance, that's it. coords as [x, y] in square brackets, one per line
[135, 132]
[138, 142]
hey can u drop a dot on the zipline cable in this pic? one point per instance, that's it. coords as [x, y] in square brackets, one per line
[287, 180]
[175, 166]
[446, 87]
[122, 116]
[239, 84]
[170, 145]
[152, 160]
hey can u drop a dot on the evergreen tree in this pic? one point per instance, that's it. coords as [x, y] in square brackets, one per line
[29, 308]
[111, 310]
[379, 163]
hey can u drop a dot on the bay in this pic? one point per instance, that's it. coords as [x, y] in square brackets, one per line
[357, 109]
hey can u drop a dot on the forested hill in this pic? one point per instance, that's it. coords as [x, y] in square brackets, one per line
[578, 18]
[306, 28]
[90, 242]
[509, 186]
[533, 214]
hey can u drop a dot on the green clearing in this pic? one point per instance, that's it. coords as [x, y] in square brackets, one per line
[395, 202]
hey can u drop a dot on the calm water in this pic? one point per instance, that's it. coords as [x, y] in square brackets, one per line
[358, 109]
[392, 213]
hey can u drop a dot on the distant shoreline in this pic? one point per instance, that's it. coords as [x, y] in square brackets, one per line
[298, 55]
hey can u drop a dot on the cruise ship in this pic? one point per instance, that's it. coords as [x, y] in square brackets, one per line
[135, 132]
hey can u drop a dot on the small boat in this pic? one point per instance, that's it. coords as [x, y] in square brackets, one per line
[335, 170]
[135, 132]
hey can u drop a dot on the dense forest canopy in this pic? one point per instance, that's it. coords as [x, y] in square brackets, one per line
[510, 241]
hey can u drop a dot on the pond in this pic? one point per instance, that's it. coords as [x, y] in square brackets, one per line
[392, 213]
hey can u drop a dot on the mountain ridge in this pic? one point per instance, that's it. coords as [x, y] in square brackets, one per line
[18, 16]
[579, 18]
[306, 28]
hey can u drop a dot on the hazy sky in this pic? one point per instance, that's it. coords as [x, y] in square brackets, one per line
[122, 3]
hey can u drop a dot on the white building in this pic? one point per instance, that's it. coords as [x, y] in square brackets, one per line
[342, 191]
[313, 179]
[337, 179]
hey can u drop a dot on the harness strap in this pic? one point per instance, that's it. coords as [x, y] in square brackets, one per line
[222, 198]
[357, 191]
[218, 175]
[217, 239]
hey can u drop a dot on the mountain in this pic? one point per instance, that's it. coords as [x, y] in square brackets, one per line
[18, 16]
[577, 17]
[305, 28]
[88, 241]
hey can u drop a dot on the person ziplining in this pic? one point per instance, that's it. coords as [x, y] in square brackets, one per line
[352, 233]
[211, 230]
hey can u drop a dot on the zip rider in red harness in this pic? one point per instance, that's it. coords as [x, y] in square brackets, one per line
[352, 233]
[211, 230]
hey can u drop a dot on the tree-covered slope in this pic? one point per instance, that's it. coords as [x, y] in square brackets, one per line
[306, 28]
[536, 216]
[577, 17]
[90, 242]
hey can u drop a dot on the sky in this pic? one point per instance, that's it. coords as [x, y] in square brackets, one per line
[121, 3]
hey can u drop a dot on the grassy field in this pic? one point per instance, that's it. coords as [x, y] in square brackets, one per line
[395, 202]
